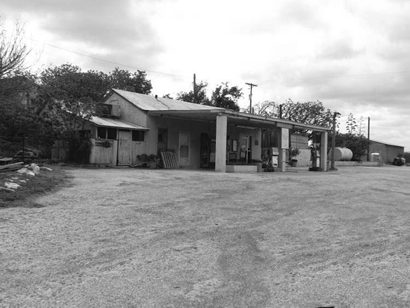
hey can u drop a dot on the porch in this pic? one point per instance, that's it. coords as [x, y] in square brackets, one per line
[229, 141]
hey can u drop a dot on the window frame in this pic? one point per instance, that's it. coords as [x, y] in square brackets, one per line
[138, 135]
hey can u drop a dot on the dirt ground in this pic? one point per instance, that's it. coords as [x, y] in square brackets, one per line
[166, 238]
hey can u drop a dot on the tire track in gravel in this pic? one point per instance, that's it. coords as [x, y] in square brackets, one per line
[242, 265]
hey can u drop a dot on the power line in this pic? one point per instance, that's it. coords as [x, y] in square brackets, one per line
[104, 60]
[251, 85]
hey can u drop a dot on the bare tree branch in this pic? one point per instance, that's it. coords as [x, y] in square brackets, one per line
[13, 51]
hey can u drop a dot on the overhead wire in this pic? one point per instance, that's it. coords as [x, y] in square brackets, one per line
[353, 75]
[104, 60]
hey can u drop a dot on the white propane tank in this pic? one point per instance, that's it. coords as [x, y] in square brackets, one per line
[344, 154]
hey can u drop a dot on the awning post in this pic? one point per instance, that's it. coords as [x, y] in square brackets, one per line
[284, 145]
[220, 144]
[323, 151]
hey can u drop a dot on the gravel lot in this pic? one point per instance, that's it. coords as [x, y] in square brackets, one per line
[166, 238]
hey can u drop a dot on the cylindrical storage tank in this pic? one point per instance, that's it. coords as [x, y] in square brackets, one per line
[341, 154]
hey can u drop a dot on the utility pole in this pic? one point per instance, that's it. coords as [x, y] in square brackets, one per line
[251, 85]
[194, 84]
[368, 138]
[332, 162]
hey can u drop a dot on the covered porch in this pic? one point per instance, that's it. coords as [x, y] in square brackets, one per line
[236, 141]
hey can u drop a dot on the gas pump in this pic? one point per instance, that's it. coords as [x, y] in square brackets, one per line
[315, 152]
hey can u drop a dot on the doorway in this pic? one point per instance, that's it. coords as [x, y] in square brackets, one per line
[184, 149]
[124, 148]
[162, 140]
[245, 150]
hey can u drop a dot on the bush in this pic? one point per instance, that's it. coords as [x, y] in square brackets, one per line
[357, 144]
[406, 156]
[79, 150]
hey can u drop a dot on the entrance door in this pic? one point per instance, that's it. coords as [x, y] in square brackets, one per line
[249, 149]
[184, 149]
[246, 149]
[162, 140]
[124, 148]
[204, 151]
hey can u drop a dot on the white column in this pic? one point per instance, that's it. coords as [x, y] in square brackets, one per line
[282, 160]
[284, 145]
[220, 145]
[323, 151]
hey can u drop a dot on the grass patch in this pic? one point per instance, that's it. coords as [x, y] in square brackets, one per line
[31, 186]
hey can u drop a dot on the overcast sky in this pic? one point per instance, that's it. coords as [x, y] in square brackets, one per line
[351, 55]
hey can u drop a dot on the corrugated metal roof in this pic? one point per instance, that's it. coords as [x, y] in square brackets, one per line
[390, 145]
[108, 122]
[157, 106]
[150, 103]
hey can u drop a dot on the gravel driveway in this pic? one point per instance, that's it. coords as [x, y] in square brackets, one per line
[173, 238]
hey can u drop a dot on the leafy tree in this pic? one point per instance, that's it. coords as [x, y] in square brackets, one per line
[226, 97]
[72, 91]
[406, 156]
[199, 97]
[267, 109]
[19, 115]
[13, 51]
[358, 144]
[15, 89]
[312, 113]
[68, 96]
[134, 82]
[354, 138]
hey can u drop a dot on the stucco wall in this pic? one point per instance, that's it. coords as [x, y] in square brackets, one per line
[299, 141]
[304, 158]
[195, 128]
[175, 126]
[238, 133]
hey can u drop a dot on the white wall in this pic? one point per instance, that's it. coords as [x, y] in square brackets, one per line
[174, 126]
[103, 155]
[129, 112]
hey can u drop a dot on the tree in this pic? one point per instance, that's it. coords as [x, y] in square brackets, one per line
[358, 144]
[312, 113]
[134, 82]
[354, 138]
[73, 91]
[267, 109]
[167, 96]
[13, 51]
[226, 97]
[68, 97]
[199, 97]
[351, 125]
[19, 115]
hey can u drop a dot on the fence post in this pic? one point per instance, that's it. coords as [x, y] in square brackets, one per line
[23, 149]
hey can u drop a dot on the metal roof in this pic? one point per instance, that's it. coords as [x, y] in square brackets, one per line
[242, 117]
[108, 122]
[150, 103]
[390, 145]
[165, 106]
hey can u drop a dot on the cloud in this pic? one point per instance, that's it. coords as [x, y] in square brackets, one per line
[352, 55]
[118, 32]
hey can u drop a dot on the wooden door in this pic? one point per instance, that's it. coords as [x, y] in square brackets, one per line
[184, 149]
[124, 148]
